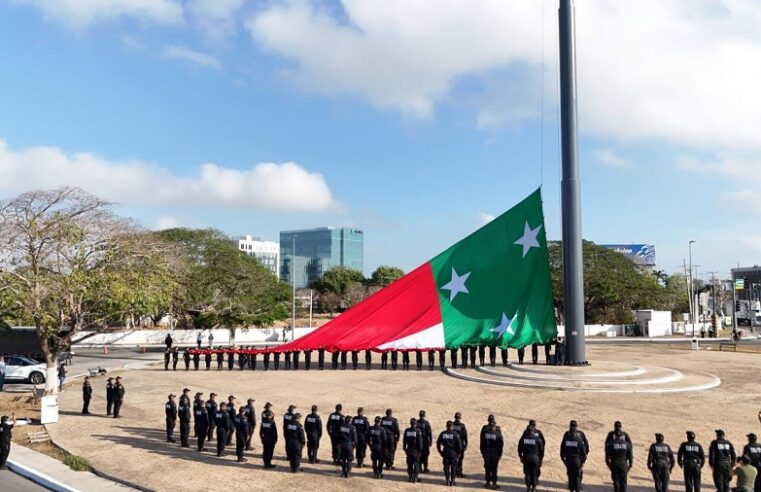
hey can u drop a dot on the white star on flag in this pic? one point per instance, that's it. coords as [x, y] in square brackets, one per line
[529, 240]
[457, 284]
[504, 326]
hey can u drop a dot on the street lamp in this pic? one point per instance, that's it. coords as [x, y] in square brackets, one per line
[693, 306]
[293, 283]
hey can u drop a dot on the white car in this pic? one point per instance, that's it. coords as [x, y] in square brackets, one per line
[19, 368]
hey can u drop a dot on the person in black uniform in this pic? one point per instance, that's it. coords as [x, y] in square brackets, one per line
[691, 458]
[531, 453]
[442, 359]
[307, 359]
[211, 409]
[86, 396]
[186, 359]
[481, 355]
[406, 360]
[384, 360]
[343, 359]
[334, 359]
[276, 359]
[412, 445]
[449, 446]
[240, 422]
[294, 442]
[368, 359]
[242, 361]
[619, 458]
[560, 352]
[334, 421]
[168, 341]
[391, 425]
[202, 424]
[313, 428]
[232, 414]
[109, 395]
[6, 436]
[197, 402]
[287, 419]
[660, 462]
[230, 360]
[617, 425]
[170, 408]
[362, 425]
[250, 413]
[347, 440]
[753, 451]
[266, 358]
[207, 358]
[573, 452]
[464, 353]
[167, 358]
[118, 396]
[380, 442]
[224, 425]
[492, 444]
[521, 354]
[296, 355]
[453, 357]
[184, 413]
[721, 457]
[268, 435]
[196, 359]
[547, 352]
[175, 358]
[287, 360]
[431, 359]
[220, 359]
[534, 353]
[503, 354]
[354, 359]
[394, 359]
[321, 359]
[459, 427]
[492, 355]
[427, 431]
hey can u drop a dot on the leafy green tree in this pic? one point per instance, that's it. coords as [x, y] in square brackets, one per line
[222, 286]
[337, 280]
[385, 275]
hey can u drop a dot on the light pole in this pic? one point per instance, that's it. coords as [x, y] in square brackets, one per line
[692, 295]
[293, 283]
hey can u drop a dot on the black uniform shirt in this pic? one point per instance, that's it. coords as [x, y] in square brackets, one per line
[392, 427]
[202, 417]
[530, 445]
[294, 432]
[287, 419]
[361, 423]
[313, 425]
[334, 421]
[449, 443]
[222, 420]
[661, 454]
[425, 428]
[460, 428]
[691, 452]
[241, 426]
[6, 433]
[618, 450]
[379, 438]
[721, 450]
[86, 391]
[413, 440]
[170, 408]
[211, 407]
[573, 447]
[183, 410]
[347, 435]
[268, 430]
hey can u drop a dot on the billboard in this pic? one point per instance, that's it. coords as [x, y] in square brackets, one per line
[642, 254]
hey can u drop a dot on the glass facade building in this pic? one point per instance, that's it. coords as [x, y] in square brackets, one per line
[317, 251]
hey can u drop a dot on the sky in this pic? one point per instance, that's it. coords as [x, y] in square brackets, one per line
[415, 120]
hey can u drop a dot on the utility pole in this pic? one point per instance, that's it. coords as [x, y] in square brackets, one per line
[692, 287]
[293, 283]
[689, 292]
[573, 263]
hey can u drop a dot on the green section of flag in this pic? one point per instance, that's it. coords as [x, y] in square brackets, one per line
[506, 299]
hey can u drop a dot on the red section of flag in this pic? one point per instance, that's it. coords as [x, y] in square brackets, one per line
[405, 307]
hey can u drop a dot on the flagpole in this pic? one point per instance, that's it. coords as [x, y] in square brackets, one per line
[573, 263]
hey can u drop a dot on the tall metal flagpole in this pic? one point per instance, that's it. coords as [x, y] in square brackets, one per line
[573, 265]
[293, 283]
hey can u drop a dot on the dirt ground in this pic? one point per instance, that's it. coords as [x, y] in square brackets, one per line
[134, 447]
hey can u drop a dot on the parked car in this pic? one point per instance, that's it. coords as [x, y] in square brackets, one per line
[20, 368]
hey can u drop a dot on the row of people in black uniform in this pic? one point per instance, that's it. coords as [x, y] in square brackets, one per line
[352, 436]
[246, 357]
[114, 396]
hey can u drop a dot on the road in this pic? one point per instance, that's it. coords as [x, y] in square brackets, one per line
[15, 483]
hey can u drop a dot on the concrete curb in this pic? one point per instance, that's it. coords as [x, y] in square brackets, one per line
[39, 478]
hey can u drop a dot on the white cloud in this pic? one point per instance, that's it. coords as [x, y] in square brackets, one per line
[685, 72]
[166, 222]
[80, 14]
[609, 158]
[484, 218]
[203, 60]
[283, 187]
[215, 18]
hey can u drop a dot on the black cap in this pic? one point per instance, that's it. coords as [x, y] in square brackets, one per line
[690, 435]
[751, 436]
[532, 422]
[185, 390]
[573, 423]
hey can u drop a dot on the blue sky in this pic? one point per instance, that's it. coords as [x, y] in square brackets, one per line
[414, 120]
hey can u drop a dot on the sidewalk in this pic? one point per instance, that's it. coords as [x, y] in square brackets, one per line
[54, 475]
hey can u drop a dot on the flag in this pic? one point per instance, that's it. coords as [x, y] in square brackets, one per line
[491, 288]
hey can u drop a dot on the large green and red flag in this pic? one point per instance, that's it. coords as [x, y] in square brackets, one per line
[491, 288]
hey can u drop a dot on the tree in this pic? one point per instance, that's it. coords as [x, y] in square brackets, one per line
[223, 286]
[613, 285]
[385, 275]
[62, 252]
[337, 280]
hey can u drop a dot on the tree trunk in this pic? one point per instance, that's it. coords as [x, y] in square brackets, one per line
[51, 362]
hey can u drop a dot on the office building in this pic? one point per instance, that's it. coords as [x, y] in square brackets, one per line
[267, 252]
[317, 251]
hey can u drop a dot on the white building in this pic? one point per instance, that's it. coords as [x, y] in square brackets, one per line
[267, 252]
